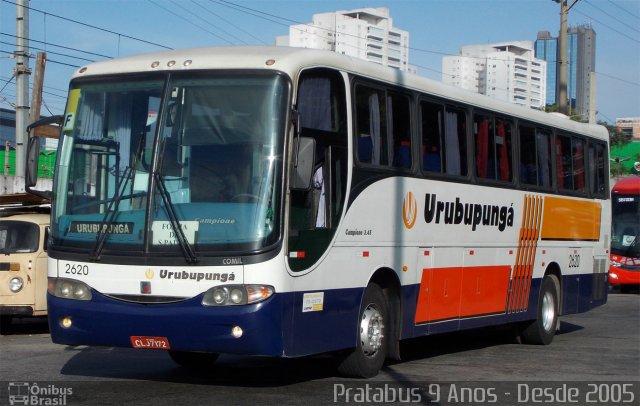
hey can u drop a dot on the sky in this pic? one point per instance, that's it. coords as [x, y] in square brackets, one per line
[75, 32]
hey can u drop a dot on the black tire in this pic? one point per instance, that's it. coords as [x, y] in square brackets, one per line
[194, 360]
[542, 330]
[366, 359]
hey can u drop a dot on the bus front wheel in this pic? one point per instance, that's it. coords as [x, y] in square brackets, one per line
[371, 348]
[542, 330]
[193, 360]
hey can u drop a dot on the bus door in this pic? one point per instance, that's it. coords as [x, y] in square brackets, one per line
[314, 214]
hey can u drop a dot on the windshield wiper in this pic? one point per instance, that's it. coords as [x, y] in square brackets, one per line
[187, 250]
[110, 215]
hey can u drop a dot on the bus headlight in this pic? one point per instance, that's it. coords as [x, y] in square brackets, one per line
[16, 284]
[230, 295]
[69, 289]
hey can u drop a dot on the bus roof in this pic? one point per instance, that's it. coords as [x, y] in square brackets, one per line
[293, 60]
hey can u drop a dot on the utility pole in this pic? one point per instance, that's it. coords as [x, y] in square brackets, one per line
[38, 80]
[22, 73]
[563, 64]
[561, 94]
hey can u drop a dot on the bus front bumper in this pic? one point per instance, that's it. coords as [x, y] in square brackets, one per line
[620, 276]
[184, 326]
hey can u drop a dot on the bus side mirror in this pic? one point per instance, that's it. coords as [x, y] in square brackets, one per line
[304, 150]
[33, 153]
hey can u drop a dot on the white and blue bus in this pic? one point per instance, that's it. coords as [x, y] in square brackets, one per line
[284, 202]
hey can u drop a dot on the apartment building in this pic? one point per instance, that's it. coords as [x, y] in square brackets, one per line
[507, 71]
[366, 33]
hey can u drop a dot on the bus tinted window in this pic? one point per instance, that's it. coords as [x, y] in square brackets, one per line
[535, 156]
[383, 127]
[399, 130]
[570, 163]
[597, 169]
[444, 142]
[492, 137]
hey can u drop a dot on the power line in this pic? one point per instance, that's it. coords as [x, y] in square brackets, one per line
[52, 52]
[188, 21]
[7, 82]
[625, 10]
[239, 28]
[618, 79]
[62, 63]
[612, 16]
[93, 26]
[605, 25]
[47, 87]
[58, 46]
[209, 23]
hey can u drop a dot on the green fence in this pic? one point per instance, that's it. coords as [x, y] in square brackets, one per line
[46, 163]
[625, 156]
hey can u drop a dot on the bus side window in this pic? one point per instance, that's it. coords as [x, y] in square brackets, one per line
[535, 156]
[483, 129]
[432, 125]
[564, 162]
[528, 159]
[578, 172]
[493, 140]
[371, 126]
[596, 167]
[400, 130]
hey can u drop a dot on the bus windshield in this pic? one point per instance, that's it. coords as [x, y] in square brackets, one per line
[170, 164]
[625, 239]
[18, 236]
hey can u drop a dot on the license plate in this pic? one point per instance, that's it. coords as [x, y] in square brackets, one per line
[150, 342]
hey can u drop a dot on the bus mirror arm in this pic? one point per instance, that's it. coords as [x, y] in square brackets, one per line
[295, 117]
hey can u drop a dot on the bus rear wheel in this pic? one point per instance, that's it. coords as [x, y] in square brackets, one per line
[194, 360]
[542, 330]
[369, 355]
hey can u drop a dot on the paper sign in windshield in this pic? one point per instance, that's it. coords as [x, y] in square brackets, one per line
[163, 233]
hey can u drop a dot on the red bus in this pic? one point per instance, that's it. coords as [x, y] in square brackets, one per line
[624, 270]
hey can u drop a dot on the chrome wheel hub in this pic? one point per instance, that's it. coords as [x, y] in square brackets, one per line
[371, 330]
[548, 311]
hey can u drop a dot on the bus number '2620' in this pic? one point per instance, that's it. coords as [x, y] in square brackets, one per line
[76, 269]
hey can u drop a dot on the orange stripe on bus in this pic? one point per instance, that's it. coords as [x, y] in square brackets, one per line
[525, 256]
[570, 219]
[448, 293]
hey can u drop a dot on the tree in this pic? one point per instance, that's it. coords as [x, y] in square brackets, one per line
[616, 137]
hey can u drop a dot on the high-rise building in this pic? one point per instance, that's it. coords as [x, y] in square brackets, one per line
[366, 33]
[546, 48]
[581, 60]
[507, 71]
